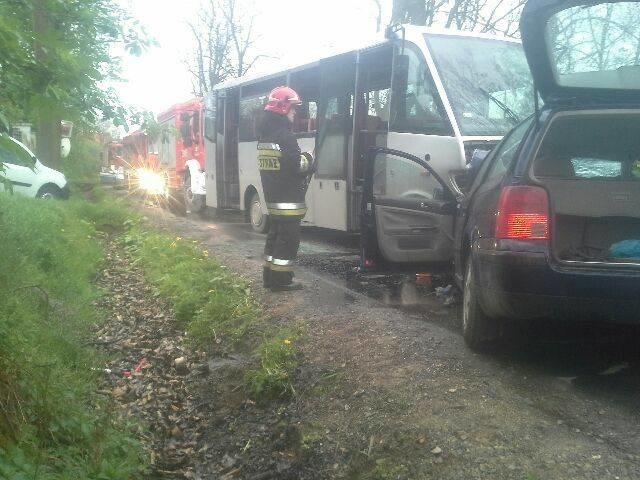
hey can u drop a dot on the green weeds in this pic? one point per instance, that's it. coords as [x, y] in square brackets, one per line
[214, 306]
[209, 302]
[52, 425]
[277, 356]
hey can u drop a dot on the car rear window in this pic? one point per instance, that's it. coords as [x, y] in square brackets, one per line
[596, 46]
[590, 146]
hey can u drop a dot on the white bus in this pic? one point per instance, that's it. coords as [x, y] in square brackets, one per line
[436, 94]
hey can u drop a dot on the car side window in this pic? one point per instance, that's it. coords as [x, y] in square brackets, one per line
[506, 154]
[13, 154]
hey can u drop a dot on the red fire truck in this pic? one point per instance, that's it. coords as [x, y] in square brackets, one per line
[180, 152]
[169, 161]
[136, 151]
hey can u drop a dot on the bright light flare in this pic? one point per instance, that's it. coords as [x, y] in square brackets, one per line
[151, 182]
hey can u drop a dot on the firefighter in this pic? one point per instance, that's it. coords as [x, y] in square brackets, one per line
[284, 171]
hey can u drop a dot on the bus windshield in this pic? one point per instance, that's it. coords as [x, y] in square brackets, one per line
[488, 82]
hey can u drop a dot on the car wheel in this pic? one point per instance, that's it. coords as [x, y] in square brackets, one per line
[192, 202]
[478, 329]
[49, 192]
[259, 221]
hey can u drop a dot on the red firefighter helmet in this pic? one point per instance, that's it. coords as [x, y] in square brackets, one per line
[281, 99]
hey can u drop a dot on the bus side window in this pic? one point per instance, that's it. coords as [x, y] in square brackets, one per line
[334, 126]
[251, 111]
[210, 119]
[377, 110]
[416, 106]
[306, 119]
[376, 92]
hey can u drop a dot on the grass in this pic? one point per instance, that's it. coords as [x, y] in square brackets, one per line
[277, 358]
[215, 307]
[210, 303]
[52, 424]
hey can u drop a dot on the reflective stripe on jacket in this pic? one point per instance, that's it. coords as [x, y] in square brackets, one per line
[282, 166]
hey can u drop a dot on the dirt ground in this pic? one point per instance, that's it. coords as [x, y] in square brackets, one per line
[385, 388]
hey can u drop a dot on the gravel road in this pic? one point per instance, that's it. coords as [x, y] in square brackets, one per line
[387, 388]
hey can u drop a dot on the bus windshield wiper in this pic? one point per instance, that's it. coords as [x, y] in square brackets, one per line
[510, 113]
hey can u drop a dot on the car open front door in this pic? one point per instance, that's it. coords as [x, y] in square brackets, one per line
[407, 211]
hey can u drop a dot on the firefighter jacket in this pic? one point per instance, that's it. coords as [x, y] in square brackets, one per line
[283, 168]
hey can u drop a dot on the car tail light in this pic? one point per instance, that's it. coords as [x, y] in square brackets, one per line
[523, 213]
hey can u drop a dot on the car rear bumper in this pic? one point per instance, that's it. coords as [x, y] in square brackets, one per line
[64, 192]
[525, 286]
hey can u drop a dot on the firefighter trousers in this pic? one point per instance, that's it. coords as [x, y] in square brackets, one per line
[280, 250]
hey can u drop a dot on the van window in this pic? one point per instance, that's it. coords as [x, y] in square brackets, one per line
[416, 106]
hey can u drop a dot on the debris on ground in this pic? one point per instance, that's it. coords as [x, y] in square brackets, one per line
[187, 400]
[448, 295]
[149, 373]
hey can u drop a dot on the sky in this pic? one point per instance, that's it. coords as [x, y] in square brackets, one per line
[292, 31]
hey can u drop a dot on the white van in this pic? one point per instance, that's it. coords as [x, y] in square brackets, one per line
[26, 174]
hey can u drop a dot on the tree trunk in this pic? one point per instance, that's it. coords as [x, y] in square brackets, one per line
[48, 132]
[48, 143]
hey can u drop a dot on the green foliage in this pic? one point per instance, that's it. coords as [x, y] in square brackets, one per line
[57, 53]
[277, 356]
[52, 424]
[210, 302]
[83, 163]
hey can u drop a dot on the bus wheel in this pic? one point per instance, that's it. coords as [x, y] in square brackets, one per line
[192, 202]
[259, 221]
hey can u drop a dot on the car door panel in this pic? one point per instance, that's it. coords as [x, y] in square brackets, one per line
[19, 168]
[408, 209]
[406, 235]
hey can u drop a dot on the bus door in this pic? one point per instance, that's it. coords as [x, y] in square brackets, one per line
[333, 142]
[370, 121]
[229, 175]
[307, 83]
[212, 125]
[404, 219]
